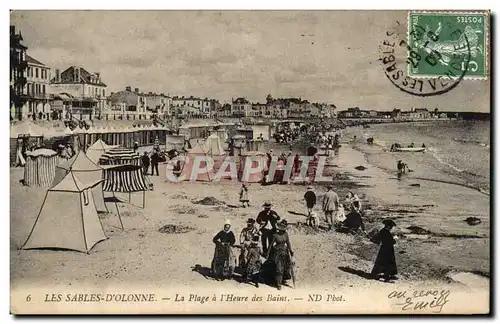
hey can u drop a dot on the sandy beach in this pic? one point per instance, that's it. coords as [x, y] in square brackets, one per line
[141, 254]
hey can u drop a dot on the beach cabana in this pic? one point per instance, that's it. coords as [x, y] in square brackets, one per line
[125, 179]
[40, 168]
[120, 156]
[68, 218]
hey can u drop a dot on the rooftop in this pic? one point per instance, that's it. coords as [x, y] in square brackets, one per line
[31, 60]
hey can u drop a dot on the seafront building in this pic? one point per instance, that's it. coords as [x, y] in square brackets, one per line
[37, 105]
[195, 106]
[82, 92]
[18, 68]
[138, 105]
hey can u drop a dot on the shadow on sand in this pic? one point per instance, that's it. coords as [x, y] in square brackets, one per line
[359, 273]
[296, 213]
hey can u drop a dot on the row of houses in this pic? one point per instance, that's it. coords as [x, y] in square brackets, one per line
[37, 93]
[278, 108]
[413, 113]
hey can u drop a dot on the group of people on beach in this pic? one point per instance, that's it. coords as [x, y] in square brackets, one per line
[335, 212]
[266, 236]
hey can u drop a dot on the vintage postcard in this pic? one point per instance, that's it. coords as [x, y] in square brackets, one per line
[250, 162]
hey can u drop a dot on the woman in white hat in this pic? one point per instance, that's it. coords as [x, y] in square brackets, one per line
[224, 259]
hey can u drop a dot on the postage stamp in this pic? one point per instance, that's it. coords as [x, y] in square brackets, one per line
[443, 37]
[238, 163]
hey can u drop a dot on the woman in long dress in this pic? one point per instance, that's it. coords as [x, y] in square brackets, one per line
[386, 259]
[279, 255]
[224, 259]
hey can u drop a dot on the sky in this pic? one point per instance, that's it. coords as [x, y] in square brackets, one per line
[322, 56]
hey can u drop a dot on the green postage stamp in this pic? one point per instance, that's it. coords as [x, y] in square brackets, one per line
[448, 44]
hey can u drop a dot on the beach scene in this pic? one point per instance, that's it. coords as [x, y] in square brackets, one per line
[113, 186]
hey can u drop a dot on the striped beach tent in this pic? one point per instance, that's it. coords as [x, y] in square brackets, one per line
[120, 156]
[87, 172]
[40, 168]
[126, 178]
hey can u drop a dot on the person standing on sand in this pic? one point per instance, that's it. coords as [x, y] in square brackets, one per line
[244, 198]
[155, 159]
[330, 205]
[280, 254]
[310, 198]
[246, 236]
[224, 260]
[386, 259]
[267, 220]
[145, 163]
[253, 261]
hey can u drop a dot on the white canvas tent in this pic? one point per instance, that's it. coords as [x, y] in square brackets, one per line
[86, 171]
[68, 218]
[175, 142]
[213, 146]
[206, 172]
[96, 150]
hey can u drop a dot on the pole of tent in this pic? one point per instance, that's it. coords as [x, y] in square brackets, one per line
[117, 210]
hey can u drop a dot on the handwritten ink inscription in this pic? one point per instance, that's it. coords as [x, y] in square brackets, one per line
[431, 299]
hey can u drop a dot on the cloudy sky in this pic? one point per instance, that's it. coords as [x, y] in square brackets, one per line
[326, 56]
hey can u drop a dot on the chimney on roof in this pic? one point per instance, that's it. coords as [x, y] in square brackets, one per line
[136, 90]
[76, 75]
[58, 75]
[128, 88]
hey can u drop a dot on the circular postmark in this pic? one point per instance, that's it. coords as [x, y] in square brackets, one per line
[427, 60]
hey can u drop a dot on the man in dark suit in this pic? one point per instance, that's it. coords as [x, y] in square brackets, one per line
[267, 220]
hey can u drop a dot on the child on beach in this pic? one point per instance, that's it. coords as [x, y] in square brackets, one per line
[253, 261]
[244, 198]
[339, 216]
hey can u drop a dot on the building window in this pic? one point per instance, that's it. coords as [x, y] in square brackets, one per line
[36, 72]
[103, 93]
[43, 89]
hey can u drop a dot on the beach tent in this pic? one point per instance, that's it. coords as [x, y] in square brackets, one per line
[68, 218]
[125, 178]
[213, 146]
[96, 150]
[174, 142]
[205, 167]
[252, 159]
[120, 156]
[86, 171]
[40, 168]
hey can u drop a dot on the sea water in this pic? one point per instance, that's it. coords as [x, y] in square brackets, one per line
[456, 151]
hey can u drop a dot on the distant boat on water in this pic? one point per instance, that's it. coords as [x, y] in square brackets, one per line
[409, 149]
